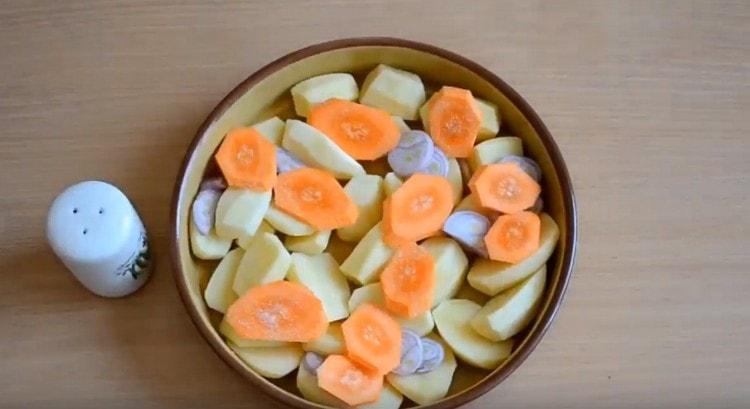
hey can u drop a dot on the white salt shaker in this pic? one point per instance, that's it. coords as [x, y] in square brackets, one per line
[96, 232]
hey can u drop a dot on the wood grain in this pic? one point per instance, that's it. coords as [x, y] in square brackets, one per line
[649, 102]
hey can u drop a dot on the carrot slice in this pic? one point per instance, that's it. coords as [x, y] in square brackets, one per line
[504, 187]
[348, 381]
[247, 159]
[278, 311]
[364, 132]
[372, 338]
[389, 237]
[408, 281]
[455, 120]
[514, 237]
[315, 197]
[419, 207]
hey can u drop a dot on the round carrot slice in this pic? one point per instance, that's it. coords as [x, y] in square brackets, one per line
[372, 338]
[389, 237]
[504, 187]
[279, 311]
[420, 206]
[364, 132]
[455, 120]
[408, 281]
[315, 197]
[513, 237]
[348, 381]
[247, 160]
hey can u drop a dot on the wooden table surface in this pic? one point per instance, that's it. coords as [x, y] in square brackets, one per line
[649, 102]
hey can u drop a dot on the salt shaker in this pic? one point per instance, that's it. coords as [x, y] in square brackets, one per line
[98, 235]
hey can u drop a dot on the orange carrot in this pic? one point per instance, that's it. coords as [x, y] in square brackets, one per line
[504, 187]
[455, 120]
[408, 281]
[513, 237]
[278, 311]
[389, 237]
[364, 132]
[247, 160]
[315, 197]
[348, 381]
[372, 338]
[418, 208]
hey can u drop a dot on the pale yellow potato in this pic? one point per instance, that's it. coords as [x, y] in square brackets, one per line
[450, 266]
[452, 319]
[373, 293]
[467, 292]
[321, 274]
[366, 261]
[391, 183]
[311, 244]
[321, 88]
[510, 311]
[400, 123]
[470, 202]
[455, 180]
[274, 362]
[491, 277]
[207, 247]
[367, 193]
[244, 240]
[266, 260]
[272, 128]
[286, 223]
[332, 342]
[490, 120]
[229, 333]
[315, 149]
[427, 387]
[489, 127]
[389, 398]
[492, 150]
[395, 91]
[219, 294]
[240, 211]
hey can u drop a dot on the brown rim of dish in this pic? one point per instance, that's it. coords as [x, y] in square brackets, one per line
[569, 206]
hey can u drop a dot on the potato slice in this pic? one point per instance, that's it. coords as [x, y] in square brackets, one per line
[492, 277]
[208, 247]
[229, 333]
[272, 129]
[510, 311]
[389, 398]
[373, 293]
[240, 211]
[286, 223]
[470, 202]
[400, 123]
[274, 363]
[332, 342]
[312, 244]
[454, 178]
[367, 193]
[315, 90]
[219, 294]
[391, 182]
[450, 266]
[307, 383]
[321, 274]
[490, 120]
[244, 240]
[467, 292]
[489, 127]
[492, 150]
[364, 264]
[428, 387]
[315, 149]
[452, 318]
[395, 91]
[266, 260]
